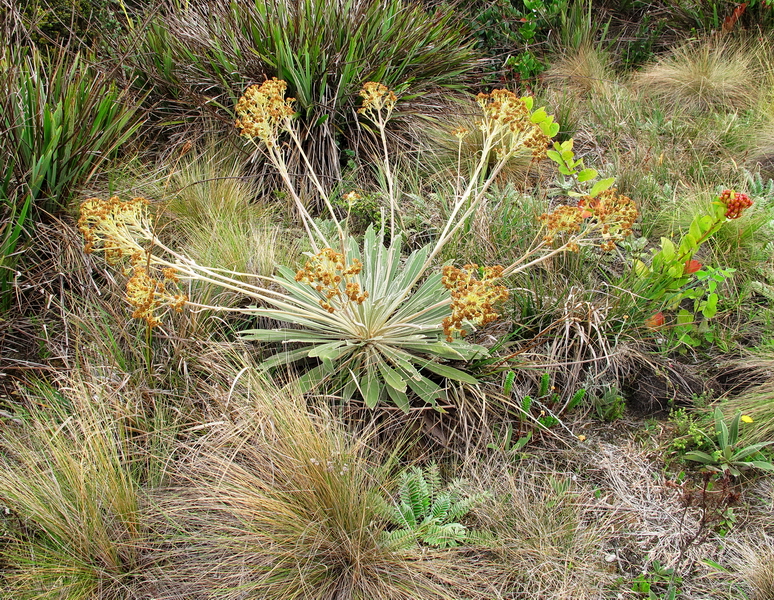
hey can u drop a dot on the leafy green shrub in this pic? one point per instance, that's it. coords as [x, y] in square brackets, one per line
[514, 29]
[674, 276]
[205, 54]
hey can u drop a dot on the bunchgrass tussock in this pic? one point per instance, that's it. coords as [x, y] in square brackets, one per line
[69, 478]
[280, 502]
[708, 75]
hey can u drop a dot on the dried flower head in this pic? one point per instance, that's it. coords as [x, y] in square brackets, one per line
[150, 295]
[376, 96]
[563, 219]
[609, 215]
[473, 299]
[111, 226]
[114, 227]
[326, 271]
[460, 132]
[352, 198]
[735, 202]
[614, 212]
[264, 111]
[507, 117]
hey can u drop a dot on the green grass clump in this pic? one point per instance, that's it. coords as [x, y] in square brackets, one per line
[69, 477]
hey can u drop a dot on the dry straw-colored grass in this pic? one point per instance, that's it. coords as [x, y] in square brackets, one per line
[69, 476]
[714, 74]
[585, 72]
[278, 501]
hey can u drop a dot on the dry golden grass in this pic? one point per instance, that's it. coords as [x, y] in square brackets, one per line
[278, 501]
[714, 74]
[70, 478]
[585, 72]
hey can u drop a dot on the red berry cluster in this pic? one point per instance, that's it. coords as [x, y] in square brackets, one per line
[735, 203]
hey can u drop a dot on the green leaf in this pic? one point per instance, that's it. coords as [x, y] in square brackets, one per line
[710, 308]
[539, 116]
[667, 251]
[701, 457]
[392, 377]
[601, 185]
[762, 464]
[371, 387]
[555, 156]
[587, 175]
[399, 398]
[552, 130]
[450, 372]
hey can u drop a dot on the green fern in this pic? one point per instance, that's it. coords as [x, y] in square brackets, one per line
[426, 513]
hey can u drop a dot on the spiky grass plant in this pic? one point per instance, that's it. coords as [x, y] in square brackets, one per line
[63, 118]
[69, 478]
[368, 316]
[583, 72]
[279, 502]
[202, 54]
[544, 532]
[753, 562]
[704, 76]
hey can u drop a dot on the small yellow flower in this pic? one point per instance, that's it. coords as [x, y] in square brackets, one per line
[747, 419]
[582, 438]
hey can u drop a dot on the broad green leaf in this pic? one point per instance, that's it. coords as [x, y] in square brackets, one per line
[587, 175]
[750, 450]
[399, 398]
[450, 372]
[392, 377]
[710, 308]
[762, 464]
[600, 186]
[699, 456]
[371, 387]
[539, 115]
[552, 130]
[555, 156]
[667, 252]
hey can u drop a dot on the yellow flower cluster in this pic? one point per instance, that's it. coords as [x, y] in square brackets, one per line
[563, 219]
[473, 299]
[612, 214]
[506, 113]
[148, 294]
[376, 96]
[113, 227]
[325, 272]
[263, 111]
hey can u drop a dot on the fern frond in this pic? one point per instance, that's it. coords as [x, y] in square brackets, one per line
[445, 536]
[400, 539]
[441, 506]
[433, 478]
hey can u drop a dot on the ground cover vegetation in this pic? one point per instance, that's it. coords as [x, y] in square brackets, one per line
[381, 300]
